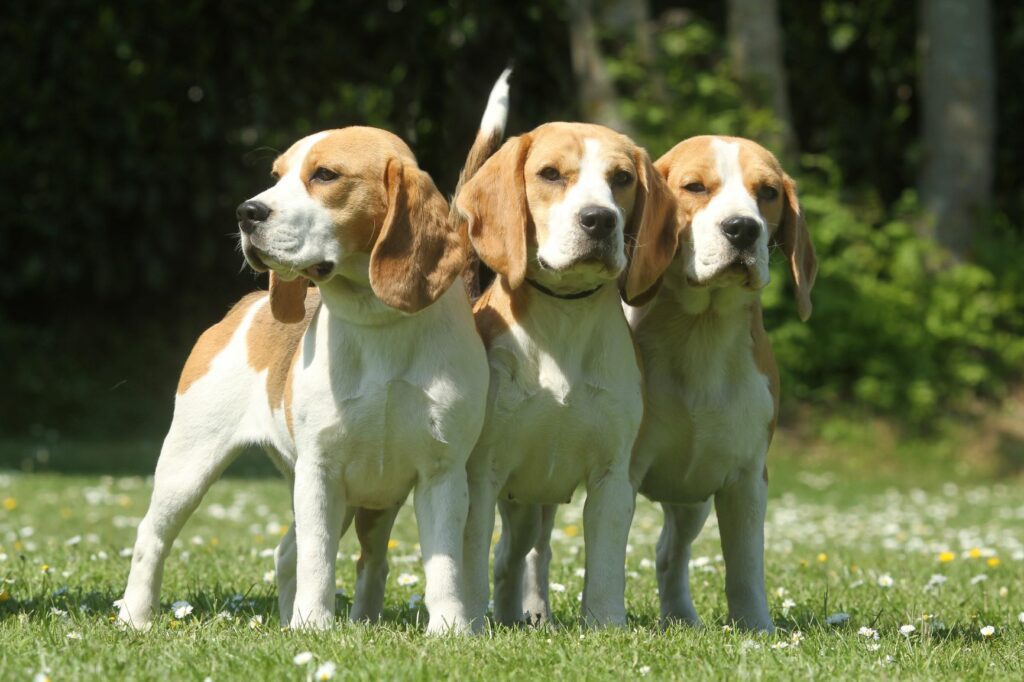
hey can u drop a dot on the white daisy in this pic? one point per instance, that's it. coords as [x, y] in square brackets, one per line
[405, 580]
[325, 671]
[303, 658]
[988, 631]
[181, 609]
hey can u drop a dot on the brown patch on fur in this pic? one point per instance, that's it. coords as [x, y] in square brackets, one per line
[764, 360]
[796, 244]
[286, 298]
[496, 310]
[273, 346]
[651, 235]
[418, 254]
[498, 218]
[213, 341]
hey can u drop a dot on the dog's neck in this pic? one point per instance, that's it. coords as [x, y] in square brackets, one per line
[349, 297]
[550, 320]
[686, 300]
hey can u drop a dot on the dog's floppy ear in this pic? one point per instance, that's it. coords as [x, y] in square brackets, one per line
[417, 255]
[651, 235]
[287, 299]
[796, 244]
[494, 203]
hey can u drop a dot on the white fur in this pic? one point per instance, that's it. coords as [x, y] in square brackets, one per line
[711, 252]
[300, 232]
[383, 402]
[566, 241]
[496, 114]
[564, 408]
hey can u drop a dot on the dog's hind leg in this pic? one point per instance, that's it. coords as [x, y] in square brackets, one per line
[189, 463]
[520, 529]
[681, 526]
[373, 528]
[536, 604]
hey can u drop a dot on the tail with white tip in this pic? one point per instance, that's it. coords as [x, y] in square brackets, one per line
[488, 140]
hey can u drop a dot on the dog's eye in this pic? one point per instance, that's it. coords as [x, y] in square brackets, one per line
[324, 175]
[695, 187]
[767, 193]
[622, 178]
[550, 173]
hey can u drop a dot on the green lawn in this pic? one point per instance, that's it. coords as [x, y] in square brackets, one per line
[866, 544]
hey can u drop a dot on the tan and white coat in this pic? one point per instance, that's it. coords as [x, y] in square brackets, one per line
[370, 388]
[712, 386]
[565, 394]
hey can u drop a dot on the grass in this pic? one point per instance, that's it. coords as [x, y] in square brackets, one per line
[837, 535]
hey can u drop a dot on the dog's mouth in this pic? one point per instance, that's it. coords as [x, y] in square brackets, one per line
[253, 258]
[738, 273]
[261, 262]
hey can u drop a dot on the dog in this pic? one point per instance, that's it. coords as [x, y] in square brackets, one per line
[571, 217]
[711, 382]
[362, 389]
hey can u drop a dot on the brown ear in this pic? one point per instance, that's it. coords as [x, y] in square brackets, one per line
[651, 235]
[287, 299]
[494, 203]
[796, 244]
[417, 255]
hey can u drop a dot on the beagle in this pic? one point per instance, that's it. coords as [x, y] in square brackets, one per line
[361, 390]
[711, 383]
[561, 214]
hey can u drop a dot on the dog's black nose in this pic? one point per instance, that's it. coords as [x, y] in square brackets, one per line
[249, 213]
[741, 230]
[597, 221]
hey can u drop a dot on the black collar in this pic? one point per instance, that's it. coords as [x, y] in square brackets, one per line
[569, 297]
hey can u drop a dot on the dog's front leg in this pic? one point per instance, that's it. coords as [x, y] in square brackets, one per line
[373, 528]
[318, 518]
[607, 515]
[442, 502]
[741, 510]
[477, 547]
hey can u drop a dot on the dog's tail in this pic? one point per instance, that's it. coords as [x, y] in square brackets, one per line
[488, 140]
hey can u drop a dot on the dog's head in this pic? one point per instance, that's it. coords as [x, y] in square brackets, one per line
[734, 202]
[340, 195]
[572, 206]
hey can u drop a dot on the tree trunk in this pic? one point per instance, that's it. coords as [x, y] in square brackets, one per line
[755, 48]
[957, 81]
[596, 91]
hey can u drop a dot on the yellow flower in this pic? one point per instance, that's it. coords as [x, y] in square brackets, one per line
[993, 561]
[392, 544]
[946, 557]
[571, 531]
[45, 568]
[974, 553]
[10, 504]
[822, 557]
[66, 513]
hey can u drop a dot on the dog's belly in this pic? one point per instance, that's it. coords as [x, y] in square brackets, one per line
[545, 445]
[694, 447]
[386, 436]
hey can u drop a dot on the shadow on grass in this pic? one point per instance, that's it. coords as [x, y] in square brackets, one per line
[125, 457]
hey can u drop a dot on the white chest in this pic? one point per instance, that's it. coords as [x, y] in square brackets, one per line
[559, 412]
[709, 413]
